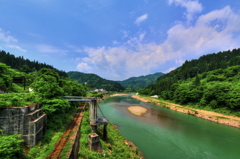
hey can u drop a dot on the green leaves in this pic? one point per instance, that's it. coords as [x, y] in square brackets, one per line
[18, 99]
[50, 106]
[10, 146]
[115, 148]
[215, 89]
[47, 86]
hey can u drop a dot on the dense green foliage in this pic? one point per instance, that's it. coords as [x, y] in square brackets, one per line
[44, 148]
[95, 81]
[51, 87]
[136, 83]
[115, 148]
[10, 147]
[47, 85]
[25, 65]
[18, 99]
[48, 88]
[6, 74]
[211, 81]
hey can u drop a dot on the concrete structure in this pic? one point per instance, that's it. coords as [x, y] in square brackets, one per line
[30, 121]
[93, 115]
[94, 142]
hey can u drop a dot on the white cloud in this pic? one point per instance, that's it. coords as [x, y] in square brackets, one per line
[141, 18]
[16, 47]
[6, 37]
[73, 48]
[206, 35]
[141, 36]
[83, 67]
[215, 31]
[192, 7]
[125, 33]
[35, 35]
[115, 42]
[8, 41]
[124, 61]
[50, 49]
[169, 70]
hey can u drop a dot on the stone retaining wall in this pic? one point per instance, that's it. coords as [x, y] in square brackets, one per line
[30, 121]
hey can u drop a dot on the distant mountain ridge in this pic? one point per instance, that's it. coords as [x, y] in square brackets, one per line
[95, 81]
[210, 82]
[136, 83]
[166, 85]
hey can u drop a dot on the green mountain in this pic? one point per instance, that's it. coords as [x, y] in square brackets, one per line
[135, 83]
[95, 81]
[210, 81]
[25, 65]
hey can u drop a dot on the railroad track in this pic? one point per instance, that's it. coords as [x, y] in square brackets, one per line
[67, 134]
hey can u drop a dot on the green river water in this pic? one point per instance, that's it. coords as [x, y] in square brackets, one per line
[165, 134]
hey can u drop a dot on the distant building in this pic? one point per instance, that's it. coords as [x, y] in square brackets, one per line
[97, 90]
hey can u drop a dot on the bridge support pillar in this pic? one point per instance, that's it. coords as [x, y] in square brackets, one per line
[94, 142]
[93, 114]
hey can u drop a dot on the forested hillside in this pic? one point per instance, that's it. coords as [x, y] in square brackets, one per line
[25, 65]
[135, 83]
[94, 81]
[212, 80]
[48, 89]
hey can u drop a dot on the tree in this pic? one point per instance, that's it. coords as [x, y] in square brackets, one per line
[10, 147]
[47, 86]
[5, 79]
[197, 81]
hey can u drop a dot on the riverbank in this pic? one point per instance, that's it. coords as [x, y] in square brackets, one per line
[204, 114]
[116, 147]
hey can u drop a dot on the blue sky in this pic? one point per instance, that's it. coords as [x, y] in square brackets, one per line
[118, 39]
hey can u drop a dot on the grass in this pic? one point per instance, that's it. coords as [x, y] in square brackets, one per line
[45, 147]
[115, 148]
[221, 117]
[66, 149]
[224, 111]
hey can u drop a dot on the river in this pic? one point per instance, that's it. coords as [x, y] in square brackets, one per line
[166, 134]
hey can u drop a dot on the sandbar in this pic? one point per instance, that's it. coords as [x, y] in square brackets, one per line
[137, 110]
[118, 95]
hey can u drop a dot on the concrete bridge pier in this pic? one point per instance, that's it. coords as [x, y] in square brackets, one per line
[93, 115]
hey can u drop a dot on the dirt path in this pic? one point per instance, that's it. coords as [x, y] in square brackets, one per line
[208, 115]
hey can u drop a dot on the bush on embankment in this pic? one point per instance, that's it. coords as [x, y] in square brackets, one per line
[46, 146]
[60, 112]
[115, 148]
[216, 90]
[11, 147]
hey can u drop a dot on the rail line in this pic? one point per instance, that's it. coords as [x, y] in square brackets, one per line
[59, 146]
